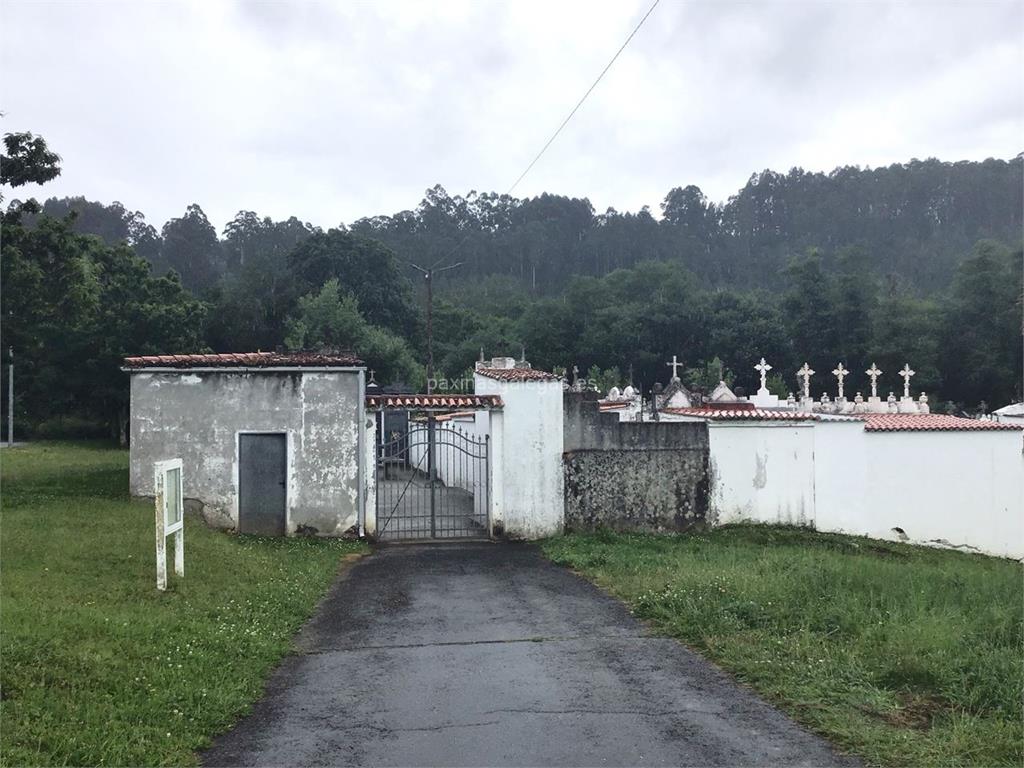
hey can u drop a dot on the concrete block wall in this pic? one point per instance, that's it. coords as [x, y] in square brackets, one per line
[649, 476]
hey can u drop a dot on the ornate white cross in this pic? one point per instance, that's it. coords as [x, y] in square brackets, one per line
[674, 365]
[874, 372]
[763, 368]
[840, 373]
[805, 373]
[906, 373]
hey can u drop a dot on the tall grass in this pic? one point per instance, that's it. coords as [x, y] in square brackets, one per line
[904, 655]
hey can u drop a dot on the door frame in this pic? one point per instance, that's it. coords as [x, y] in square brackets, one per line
[237, 472]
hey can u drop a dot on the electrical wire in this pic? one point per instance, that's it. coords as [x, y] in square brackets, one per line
[585, 95]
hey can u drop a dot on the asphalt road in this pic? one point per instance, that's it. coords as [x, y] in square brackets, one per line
[487, 654]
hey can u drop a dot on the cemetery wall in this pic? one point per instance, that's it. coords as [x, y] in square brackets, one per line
[762, 472]
[649, 476]
[198, 415]
[962, 489]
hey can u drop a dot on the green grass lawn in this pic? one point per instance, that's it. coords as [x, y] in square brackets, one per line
[902, 655]
[97, 667]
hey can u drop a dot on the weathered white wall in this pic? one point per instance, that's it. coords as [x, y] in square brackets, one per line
[962, 489]
[762, 472]
[841, 477]
[198, 416]
[529, 459]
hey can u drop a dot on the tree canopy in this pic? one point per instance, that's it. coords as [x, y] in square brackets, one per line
[917, 262]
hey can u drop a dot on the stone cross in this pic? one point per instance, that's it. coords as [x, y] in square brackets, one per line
[905, 374]
[840, 373]
[874, 372]
[805, 373]
[763, 369]
[674, 365]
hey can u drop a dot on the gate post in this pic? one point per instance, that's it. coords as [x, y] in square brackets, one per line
[431, 471]
[372, 459]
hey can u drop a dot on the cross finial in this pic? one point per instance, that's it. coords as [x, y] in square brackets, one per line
[372, 379]
[840, 373]
[906, 373]
[805, 373]
[874, 372]
[674, 365]
[763, 368]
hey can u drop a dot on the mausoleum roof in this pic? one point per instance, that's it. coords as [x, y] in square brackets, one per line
[1013, 409]
[613, 405]
[245, 360]
[517, 374]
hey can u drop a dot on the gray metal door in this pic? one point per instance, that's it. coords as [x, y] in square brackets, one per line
[262, 484]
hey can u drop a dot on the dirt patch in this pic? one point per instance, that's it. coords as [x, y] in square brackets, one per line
[915, 711]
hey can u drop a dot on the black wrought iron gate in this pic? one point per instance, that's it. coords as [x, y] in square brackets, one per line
[432, 482]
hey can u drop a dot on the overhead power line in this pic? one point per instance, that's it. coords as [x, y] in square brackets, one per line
[585, 95]
[429, 272]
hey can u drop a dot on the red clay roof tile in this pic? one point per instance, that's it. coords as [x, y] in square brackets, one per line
[244, 360]
[925, 422]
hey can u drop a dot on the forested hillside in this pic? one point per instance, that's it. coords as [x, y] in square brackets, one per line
[913, 221]
[916, 263]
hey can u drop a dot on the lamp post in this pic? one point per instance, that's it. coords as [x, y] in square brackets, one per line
[10, 397]
[428, 275]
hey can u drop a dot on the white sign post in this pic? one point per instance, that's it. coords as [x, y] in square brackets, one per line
[170, 517]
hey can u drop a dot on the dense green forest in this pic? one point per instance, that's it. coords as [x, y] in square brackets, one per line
[919, 262]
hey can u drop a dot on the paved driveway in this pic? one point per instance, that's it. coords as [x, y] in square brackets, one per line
[487, 654]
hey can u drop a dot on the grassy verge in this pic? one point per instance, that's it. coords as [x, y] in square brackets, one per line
[98, 668]
[902, 655]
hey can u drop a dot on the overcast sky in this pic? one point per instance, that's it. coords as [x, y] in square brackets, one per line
[335, 110]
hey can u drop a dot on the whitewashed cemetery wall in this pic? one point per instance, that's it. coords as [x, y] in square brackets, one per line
[962, 489]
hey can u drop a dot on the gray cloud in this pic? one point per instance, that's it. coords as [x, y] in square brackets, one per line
[335, 111]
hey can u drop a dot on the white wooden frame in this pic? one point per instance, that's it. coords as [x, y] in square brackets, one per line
[161, 469]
